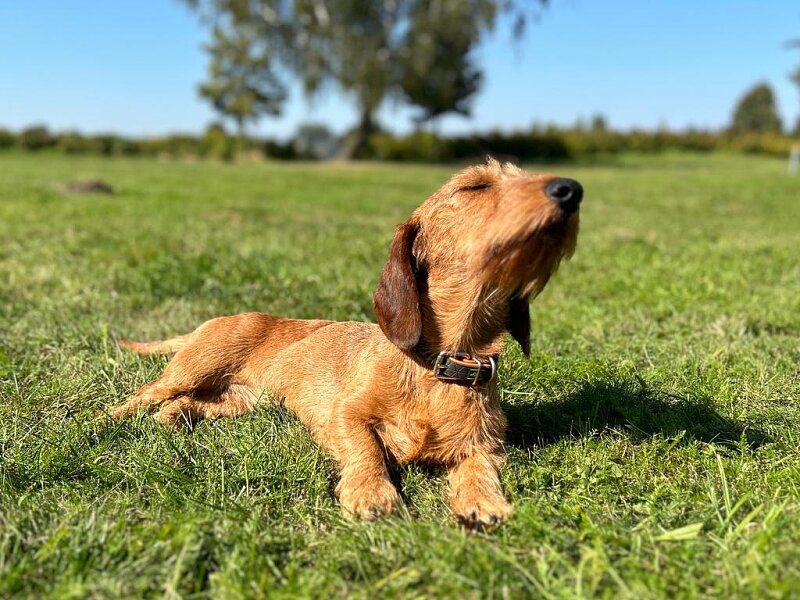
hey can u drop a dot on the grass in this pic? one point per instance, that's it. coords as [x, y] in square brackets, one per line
[655, 429]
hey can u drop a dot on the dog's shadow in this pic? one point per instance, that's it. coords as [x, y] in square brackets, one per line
[627, 406]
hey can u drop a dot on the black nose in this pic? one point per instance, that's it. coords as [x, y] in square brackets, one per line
[567, 193]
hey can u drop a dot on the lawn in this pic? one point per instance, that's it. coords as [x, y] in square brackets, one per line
[654, 443]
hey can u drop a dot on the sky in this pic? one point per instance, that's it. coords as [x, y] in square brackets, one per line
[133, 67]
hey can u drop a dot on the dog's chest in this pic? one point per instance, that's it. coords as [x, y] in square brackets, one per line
[440, 433]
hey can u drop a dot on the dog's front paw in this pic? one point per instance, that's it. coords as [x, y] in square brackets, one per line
[479, 513]
[368, 498]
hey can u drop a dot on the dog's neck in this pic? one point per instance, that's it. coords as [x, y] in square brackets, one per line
[467, 318]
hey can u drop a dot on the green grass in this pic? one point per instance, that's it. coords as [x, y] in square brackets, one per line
[655, 429]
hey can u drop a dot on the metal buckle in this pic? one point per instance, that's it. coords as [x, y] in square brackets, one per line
[477, 371]
[480, 368]
[439, 365]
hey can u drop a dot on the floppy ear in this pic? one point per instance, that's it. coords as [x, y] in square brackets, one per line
[396, 300]
[519, 322]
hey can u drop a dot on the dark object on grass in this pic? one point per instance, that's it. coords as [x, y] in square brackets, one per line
[91, 186]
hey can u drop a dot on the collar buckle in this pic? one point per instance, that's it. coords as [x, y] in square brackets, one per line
[463, 368]
[438, 367]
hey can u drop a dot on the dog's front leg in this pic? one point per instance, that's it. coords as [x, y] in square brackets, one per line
[476, 496]
[364, 488]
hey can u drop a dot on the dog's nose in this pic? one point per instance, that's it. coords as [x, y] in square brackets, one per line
[566, 193]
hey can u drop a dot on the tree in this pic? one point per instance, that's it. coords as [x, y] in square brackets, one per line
[369, 49]
[241, 84]
[315, 141]
[756, 112]
[439, 75]
[36, 137]
[599, 123]
[795, 77]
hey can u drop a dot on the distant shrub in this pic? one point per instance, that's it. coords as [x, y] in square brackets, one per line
[764, 143]
[757, 112]
[218, 144]
[315, 141]
[7, 139]
[73, 142]
[419, 146]
[278, 150]
[36, 138]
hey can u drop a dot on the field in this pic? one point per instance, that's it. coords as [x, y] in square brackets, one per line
[654, 443]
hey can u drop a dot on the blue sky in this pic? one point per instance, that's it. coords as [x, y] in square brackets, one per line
[133, 67]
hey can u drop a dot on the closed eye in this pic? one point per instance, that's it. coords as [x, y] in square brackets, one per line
[474, 188]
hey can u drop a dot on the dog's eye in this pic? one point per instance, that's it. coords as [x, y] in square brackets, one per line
[476, 187]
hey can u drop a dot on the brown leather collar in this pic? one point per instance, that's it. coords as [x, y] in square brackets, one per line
[465, 369]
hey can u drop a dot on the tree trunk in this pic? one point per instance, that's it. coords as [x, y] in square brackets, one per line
[357, 140]
[240, 135]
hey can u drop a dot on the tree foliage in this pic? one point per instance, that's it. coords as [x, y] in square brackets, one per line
[413, 51]
[757, 112]
[241, 84]
[795, 77]
[439, 74]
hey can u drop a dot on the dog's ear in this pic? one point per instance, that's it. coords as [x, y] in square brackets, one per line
[396, 300]
[519, 322]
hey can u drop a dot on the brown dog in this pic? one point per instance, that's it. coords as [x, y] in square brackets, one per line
[420, 386]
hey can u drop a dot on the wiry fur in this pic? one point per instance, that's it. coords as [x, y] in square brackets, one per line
[459, 276]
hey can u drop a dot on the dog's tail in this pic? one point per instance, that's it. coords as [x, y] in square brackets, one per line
[170, 346]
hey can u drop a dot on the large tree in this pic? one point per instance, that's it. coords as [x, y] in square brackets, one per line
[757, 112]
[439, 75]
[241, 85]
[417, 51]
[795, 77]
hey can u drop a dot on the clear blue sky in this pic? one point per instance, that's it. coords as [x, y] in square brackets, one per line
[133, 67]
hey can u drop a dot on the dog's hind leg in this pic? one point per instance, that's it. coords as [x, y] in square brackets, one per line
[234, 401]
[150, 398]
[210, 360]
[196, 370]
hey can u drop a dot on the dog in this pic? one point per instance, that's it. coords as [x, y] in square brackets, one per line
[421, 384]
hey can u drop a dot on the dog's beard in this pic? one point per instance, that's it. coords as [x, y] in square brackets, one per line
[525, 264]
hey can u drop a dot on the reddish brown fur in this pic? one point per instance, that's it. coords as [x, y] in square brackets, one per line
[459, 276]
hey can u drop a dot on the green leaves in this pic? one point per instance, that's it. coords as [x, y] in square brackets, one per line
[413, 51]
[757, 112]
[241, 83]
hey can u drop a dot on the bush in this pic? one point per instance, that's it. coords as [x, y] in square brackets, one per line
[218, 144]
[36, 138]
[7, 139]
[279, 150]
[757, 112]
[73, 142]
[419, 146]
[764, 143]
[315, 141]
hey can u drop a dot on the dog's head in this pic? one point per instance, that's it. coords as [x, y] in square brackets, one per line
[491, 237]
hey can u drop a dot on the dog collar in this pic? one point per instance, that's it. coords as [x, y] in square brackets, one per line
[464, 369]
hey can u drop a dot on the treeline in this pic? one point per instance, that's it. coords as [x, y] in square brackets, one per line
[565, 144]
[314, 142]
[214, 143]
